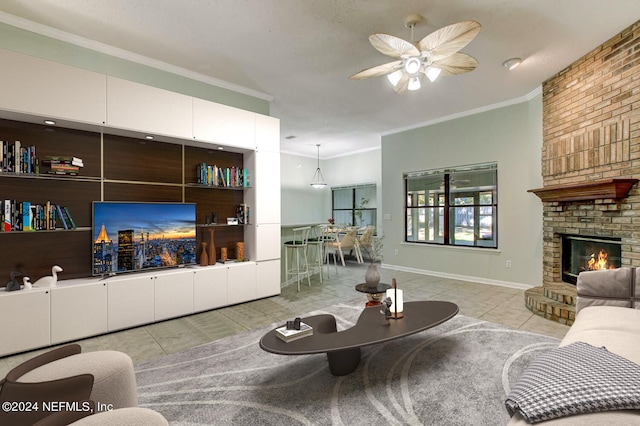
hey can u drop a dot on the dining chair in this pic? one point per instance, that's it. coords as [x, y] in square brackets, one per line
[365, 240]
[347, 241]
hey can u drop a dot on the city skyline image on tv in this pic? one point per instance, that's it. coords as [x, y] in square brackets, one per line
[134, 236]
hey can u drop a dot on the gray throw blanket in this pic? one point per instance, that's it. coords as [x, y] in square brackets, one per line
[574, 379]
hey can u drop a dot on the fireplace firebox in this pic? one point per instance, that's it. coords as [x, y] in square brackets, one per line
[583, 253]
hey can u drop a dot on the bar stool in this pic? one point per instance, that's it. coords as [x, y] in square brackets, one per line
[317, 242]
[298, 245]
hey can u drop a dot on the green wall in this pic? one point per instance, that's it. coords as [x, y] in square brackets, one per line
[30, 43]
[510, 136]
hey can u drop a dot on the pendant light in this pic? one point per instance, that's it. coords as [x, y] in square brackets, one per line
[318, 180]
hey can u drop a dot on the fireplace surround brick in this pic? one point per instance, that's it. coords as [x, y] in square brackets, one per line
[591, 132]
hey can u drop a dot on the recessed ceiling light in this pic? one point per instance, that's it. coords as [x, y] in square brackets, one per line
[49, 122]
[511, 63]
[221, 148]
[149, 137]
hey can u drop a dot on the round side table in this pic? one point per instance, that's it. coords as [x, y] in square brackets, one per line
[374, 294]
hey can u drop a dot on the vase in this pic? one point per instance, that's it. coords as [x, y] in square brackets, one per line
[372, 276]
[204, 257]
[212, 248]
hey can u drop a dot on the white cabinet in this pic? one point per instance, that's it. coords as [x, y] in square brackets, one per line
[78, 311]
[131, 301]
[134, 106]
[267, 278]
[267, 133]
[26, 320]
[217, 123]
[51, 90]
[241, 282]
[267, 187]
[173, 294]
[210, 288]
[268, 241]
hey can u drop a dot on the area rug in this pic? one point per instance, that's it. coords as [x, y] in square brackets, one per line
[458, 373]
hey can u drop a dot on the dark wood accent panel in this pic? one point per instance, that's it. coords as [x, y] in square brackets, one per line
[34, 253]
[594, 190]
[209, 200]
[223, 236]
[76, 195]
[52, 140]
[194, 156]
[142, 192]
[140, 160]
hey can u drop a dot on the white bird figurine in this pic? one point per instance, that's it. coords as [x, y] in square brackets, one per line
[27, 283]
[49, 281]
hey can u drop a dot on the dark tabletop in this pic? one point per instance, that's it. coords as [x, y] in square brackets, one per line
[364, 288]
[371, 328]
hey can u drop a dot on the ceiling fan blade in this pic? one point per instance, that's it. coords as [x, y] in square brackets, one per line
[393, 46]
[450, 39]
[456, 64]
[377, 71]
[403, 84]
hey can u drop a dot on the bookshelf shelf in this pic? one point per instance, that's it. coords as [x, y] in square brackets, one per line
[233, 188]
[50, 177]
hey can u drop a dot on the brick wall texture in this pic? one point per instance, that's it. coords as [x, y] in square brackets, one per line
[591, 131]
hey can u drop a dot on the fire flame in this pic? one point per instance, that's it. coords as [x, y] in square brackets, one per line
[598, 264]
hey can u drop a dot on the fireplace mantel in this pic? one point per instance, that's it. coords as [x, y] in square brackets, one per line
[593, 190]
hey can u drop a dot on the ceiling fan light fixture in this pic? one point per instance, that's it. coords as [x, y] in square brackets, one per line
[433, 73]
[412, 66]
[394, 77]
[414, 83]
[511, 63]
[318, 181]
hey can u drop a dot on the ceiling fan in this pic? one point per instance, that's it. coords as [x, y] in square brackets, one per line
[435, 55]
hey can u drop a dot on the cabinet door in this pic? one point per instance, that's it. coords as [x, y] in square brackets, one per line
[130, 302]
[241, 282]
[26, 320]
[267, 133]
[210, 288]
[51, 90]
[134, 106]
[267, 278]
[267, 187]
[268, 241]
[173, 294]
[78, 311]
[223, 124]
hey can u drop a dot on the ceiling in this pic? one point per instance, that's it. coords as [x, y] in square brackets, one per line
[300, 53]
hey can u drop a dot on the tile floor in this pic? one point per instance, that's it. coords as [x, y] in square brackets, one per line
[496, 304]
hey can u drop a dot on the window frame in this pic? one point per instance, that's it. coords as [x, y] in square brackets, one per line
[439, 208]
[354, 208]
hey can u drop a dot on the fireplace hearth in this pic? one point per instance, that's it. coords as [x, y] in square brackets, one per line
[586, 253]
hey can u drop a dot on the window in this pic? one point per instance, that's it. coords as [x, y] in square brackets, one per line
[354, 205]
[456, 206]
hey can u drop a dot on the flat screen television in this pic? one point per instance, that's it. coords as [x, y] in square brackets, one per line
[132, 236]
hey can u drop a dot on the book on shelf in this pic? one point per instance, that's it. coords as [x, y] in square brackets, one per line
[67, 160]
[28, 216]
[289, 335]
[212, 175]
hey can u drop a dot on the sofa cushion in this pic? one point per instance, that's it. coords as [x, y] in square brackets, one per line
[617, 329]
[575, 379]
[613, 287]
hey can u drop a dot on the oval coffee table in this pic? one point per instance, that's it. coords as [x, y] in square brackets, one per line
[343, 347]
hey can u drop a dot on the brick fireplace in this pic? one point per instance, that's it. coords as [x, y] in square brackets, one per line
[590, 163]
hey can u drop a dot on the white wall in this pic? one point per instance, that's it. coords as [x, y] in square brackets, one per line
[511, 136]
[302, 204]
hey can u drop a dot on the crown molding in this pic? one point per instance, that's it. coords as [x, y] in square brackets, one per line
[107, 49]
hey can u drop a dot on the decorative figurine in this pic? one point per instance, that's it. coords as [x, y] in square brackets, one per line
[386, 308]
[49, 281]
[26, 281]
[14, 284]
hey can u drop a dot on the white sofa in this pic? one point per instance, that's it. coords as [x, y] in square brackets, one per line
[607, 314]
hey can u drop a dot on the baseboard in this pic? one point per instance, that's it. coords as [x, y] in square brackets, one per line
[480, 280]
